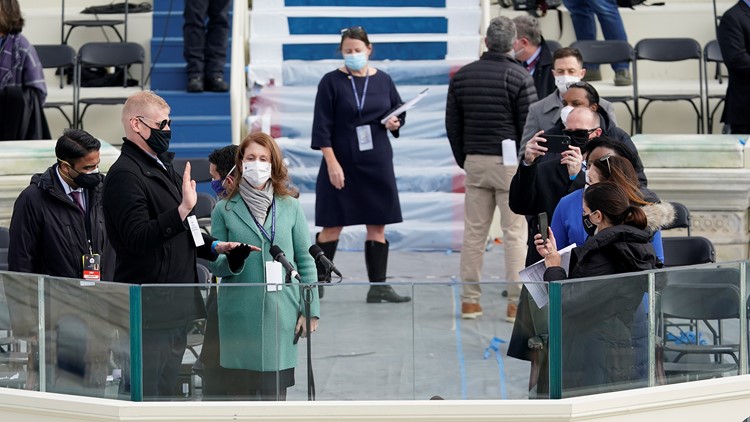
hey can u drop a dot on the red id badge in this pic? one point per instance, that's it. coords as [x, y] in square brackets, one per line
[92, 267]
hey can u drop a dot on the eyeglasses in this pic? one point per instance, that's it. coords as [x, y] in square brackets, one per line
[345, 31]
[164, 123]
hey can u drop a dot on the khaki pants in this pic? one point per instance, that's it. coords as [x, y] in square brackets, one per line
[487, 185]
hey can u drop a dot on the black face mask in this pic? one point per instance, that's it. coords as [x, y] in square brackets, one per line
[88, 180]
[578, 137]
[158, 141]
[588, 225]
[85, 180]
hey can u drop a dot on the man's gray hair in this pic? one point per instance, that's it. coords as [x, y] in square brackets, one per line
[527, 27]
[500, 35]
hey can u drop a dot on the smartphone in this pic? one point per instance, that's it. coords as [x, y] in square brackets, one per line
[556, 143]
[542, 221]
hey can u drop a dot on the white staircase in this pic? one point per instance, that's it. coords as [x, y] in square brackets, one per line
[420, 43]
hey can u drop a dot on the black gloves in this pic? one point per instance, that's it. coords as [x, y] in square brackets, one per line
[236, 257]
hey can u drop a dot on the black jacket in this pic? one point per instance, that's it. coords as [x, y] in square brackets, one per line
[48, 233]
[487, 102]
[153, 244]
[544, 80]
[597, 315]
[610, 130]
[734, 40]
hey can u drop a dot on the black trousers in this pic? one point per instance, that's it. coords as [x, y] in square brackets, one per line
[206, 34]
[162, 358]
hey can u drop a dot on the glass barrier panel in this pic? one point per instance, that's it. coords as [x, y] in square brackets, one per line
[600, 331]
[459, 358]
[219, 342]
[361, 351]
[87, 326]
[19, 330]
[699, 321]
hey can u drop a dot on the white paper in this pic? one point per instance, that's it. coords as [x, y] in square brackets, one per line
[274, 278]
[195, 230]
[406, 106]
[510, 156]
[535, 272]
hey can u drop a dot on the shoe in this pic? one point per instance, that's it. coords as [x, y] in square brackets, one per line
[378, 294]
[216, 84]
[622, 78]
[471, 310]
[195, 84]
[510, 312]
[592, 75]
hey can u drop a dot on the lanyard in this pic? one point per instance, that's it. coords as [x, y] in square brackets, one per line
[360, 105]
[273, 223]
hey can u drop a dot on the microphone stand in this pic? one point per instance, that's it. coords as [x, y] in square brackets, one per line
[307, 297]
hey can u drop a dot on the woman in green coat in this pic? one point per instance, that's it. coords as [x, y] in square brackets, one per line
[257, 324]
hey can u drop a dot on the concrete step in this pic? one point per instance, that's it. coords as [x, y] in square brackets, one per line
[395, 20]
[309, 73]
[388, 47]
[432, 221]
[407, 152]
[301, 99]
[419, 124]
[408, 179]
[279, 4]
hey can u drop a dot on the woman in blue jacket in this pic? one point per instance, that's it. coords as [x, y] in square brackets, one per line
[257, 324]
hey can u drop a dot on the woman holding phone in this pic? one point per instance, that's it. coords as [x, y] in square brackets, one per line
[598, 315]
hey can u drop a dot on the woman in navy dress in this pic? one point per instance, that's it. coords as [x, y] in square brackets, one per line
[356, 183]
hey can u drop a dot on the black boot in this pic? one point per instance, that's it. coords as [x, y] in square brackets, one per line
[329, 250]
[376, 260]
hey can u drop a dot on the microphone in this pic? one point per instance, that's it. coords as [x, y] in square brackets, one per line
[278, 256]
[321, 258]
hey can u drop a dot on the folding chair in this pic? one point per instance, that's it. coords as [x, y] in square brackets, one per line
[102, 54]
[608, 52]
[668, 50]
[93, 23]
[681, 250]
[704, 298]
[712, 53]
[553, 46]
[681, 218]
[61, 57]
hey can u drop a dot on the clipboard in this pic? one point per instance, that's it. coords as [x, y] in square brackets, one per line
[404, 107]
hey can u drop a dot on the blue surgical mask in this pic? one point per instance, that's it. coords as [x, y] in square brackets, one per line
[355, 61]
[218, 187]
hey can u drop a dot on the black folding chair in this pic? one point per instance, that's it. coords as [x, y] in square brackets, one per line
[681, 218]
[63, 58]
[683, 250]
[668, 50]
[608, 52]
[102, 54]
[712, 53]
[93, 23]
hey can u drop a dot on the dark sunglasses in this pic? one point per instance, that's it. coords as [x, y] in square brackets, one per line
[579, 133]
[164, 123]
[345, 31]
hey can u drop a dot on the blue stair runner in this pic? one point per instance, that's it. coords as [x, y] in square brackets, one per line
[201, 122]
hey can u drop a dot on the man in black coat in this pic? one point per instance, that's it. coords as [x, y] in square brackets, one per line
[734, 40]
[146, 209]
[532, 51]
[487, 103]
[57, 226]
